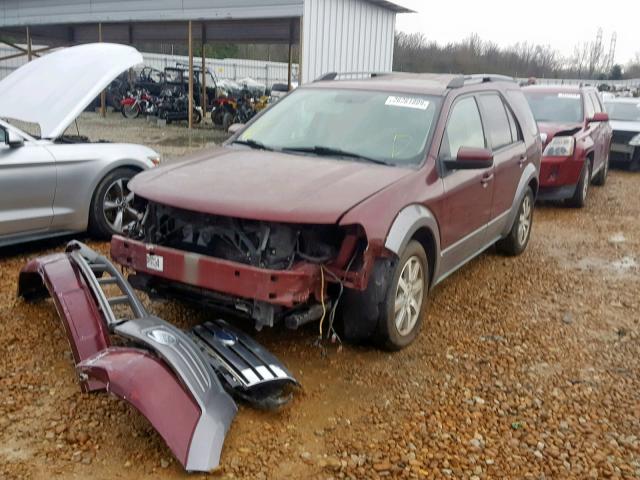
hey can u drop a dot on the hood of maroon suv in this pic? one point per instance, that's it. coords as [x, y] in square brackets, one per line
[553, 129]
[269, 186]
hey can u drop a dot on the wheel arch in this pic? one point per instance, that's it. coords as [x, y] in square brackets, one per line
[528, 179]
[112, 167]
[424, 236]
[416, 222]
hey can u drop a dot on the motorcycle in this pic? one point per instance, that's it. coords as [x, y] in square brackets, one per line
[173, 105]
[138, 102]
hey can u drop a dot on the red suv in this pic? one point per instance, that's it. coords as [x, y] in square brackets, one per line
[576, 135]
[358, 195]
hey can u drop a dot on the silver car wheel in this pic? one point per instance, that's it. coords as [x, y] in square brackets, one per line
[118, 206]
[524, 222]
[409, 296]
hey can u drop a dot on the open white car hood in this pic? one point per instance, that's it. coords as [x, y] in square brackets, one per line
[54, 89]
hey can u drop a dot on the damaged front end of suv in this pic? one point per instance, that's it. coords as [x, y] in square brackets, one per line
[269, 271]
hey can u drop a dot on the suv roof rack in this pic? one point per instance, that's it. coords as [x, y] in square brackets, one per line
[330, 76]
[464, 80]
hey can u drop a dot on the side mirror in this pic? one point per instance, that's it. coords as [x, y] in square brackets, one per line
[13, 139]
[471, 159]
[599, 117]
[235, 128]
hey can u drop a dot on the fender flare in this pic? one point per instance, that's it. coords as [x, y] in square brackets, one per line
[530, 173]
[411, 219]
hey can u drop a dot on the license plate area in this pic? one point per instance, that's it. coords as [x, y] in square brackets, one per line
[155, 262]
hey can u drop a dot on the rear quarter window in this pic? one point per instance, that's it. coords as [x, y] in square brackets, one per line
[521, 108]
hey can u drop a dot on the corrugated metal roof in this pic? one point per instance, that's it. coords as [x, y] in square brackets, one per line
[61, 12]
[393, 6]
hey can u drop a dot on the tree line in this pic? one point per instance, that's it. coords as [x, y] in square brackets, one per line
[415, 53]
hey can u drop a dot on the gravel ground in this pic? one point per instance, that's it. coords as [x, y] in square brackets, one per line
[525, 368]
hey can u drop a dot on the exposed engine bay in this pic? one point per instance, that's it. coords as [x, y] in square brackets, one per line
[275, 246]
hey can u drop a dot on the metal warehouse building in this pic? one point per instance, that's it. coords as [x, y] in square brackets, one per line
[334, 35]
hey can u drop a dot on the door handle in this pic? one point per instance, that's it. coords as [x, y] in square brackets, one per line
[486, 178]
[522, 161]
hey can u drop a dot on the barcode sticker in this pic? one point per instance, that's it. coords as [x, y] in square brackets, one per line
[407, 102]
[574, 96]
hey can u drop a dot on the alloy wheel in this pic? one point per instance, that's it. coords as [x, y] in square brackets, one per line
[524, 221]
[118, 208]
[409, 296]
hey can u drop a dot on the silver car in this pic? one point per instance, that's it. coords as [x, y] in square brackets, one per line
[53, 184]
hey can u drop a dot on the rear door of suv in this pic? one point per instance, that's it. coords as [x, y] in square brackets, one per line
[509, 156]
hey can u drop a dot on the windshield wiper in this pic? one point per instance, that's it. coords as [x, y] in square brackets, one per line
[253, 144]
[334, 152]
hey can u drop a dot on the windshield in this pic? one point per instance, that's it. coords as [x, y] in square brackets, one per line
[556, 107]
[377, 126]
[626, 112]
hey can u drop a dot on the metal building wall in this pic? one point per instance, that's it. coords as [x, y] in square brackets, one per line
[346, 36]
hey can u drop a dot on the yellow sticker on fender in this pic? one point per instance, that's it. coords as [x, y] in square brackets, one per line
[407, 102]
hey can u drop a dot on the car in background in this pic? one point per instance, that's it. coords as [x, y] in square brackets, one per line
[358, 194]
[54, 183]
[625, 122]
[576, 134]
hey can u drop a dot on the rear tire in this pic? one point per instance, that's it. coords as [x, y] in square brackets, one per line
[579, 198]
[112, 204]
[516, 242]
[227, 121]
[197, 117]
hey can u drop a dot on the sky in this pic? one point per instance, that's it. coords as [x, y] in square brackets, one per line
[562, 24]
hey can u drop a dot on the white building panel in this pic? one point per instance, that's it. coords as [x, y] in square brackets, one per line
[346, 36]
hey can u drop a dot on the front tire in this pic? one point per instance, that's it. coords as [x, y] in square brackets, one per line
[516, 242]
[406, 300]
[131, 111]
[579, 198]
[112, 208]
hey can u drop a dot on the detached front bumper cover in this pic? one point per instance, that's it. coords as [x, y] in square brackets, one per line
[179, 381]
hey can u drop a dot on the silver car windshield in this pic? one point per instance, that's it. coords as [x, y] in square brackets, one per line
[383, 127]
[624, 111]
[556, 107]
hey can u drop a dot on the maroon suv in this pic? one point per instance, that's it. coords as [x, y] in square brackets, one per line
[577, 137]
[358, 194]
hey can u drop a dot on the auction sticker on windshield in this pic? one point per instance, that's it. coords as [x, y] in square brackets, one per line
[407, 102]
[575, 96]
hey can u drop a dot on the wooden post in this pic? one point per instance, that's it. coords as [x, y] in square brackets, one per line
[103, 94]
[29, 45]
[190, 42]
[203, 99]
[290, 66]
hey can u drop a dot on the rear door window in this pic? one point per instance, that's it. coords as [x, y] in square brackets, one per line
[464, 129]
[516, 133]
[521, 107]
[496, 120]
